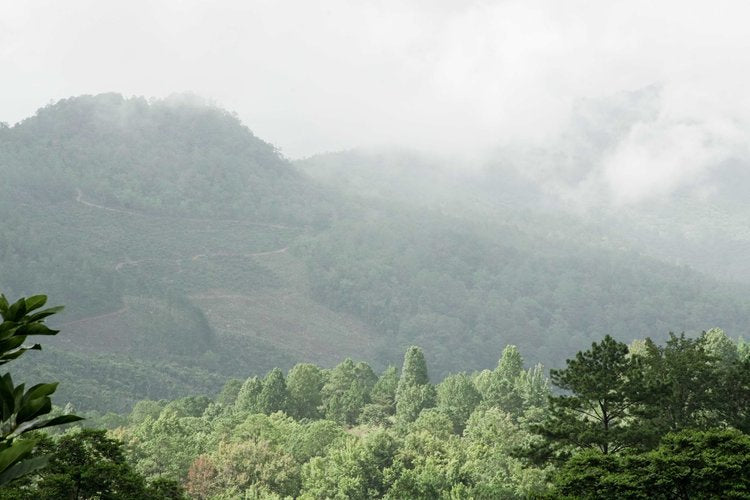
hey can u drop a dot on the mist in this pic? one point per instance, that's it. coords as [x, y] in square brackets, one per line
[460, 79]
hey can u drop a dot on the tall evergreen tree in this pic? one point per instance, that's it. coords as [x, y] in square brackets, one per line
[414, 392]
[414, 370]
[592, 415]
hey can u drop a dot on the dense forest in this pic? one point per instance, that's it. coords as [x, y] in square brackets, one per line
[182, 275]
[644, 420]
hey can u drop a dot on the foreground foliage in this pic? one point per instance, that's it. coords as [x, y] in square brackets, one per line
[88, 465]
[23, 410]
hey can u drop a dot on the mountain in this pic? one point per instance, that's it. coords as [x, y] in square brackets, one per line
[165, 228]
[188, 251]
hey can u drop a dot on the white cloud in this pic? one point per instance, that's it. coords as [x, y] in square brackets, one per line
[438, 75]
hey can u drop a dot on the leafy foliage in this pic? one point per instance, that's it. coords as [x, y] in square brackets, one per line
[87, 465]
[23, 410]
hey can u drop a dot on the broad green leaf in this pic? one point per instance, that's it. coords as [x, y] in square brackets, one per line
[22, 468]
[17, 450]
[61, 420]
[34, 408]
[35, 302]
[45, 313]
[17, 310]
[38, 329]
[40, 390]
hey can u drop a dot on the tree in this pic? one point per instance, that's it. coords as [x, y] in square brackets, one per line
[87, 464]
[353, 469]
[23, 410]
[718, 344]
[247, 397]
[734, 405]
[510, 364]
[533, 387]
[347, 391]
[384, 391]
[490, 439]
[688, 464]
[414, 392]
[274, 396]
[457, 397]
[229, 392]
[304, 383]
[414, 370]
[678, 389]
[501, 387]
[237, 467]
[593, 414]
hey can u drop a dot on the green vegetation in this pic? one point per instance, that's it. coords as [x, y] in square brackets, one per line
[348, 433]
[23, 410]
[193, 253]
[639, 421]
[87, 464]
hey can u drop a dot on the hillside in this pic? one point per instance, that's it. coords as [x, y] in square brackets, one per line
[164, 228]
[188, 251]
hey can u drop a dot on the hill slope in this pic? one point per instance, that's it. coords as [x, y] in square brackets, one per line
[188, 251]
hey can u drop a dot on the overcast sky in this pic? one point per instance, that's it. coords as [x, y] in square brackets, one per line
[454, 76]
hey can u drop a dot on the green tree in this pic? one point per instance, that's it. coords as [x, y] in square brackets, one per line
[229, 392]
[414, 391]
[189, 406]
[594, 412]
[274, 395]
[304, 383]
[234, 468]
[678, 389]
[427, 465]
[414, 370]
[533, 387]
[347, 391]
[353, 469]
[247, 397]
[734, 404]
[384, 391]
[490, 440]
[144, 409]
[501, 389]
[87, 464]
[457, 397]
[718, 344]
[166, 446]
[687, 464]
[23, 410]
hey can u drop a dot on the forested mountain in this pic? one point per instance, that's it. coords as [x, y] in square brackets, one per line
[189, 251]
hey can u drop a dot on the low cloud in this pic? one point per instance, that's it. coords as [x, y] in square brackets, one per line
[455, 78]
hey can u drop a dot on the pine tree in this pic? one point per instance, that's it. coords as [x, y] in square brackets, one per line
[414, 392]
[591, 416]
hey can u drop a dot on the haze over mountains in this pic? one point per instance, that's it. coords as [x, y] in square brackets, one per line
[189, 251]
